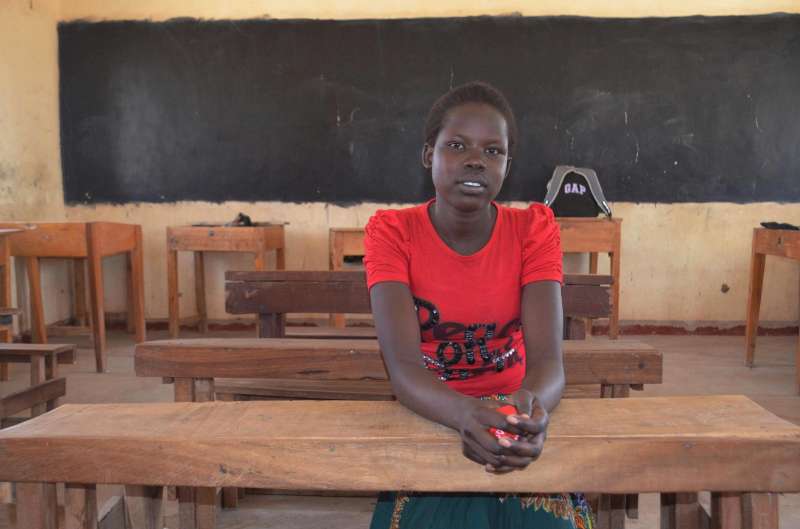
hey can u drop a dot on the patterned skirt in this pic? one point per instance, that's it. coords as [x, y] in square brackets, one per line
[481, 511]
[399, 510]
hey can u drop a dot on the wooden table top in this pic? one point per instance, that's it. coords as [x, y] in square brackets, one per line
[718, 443]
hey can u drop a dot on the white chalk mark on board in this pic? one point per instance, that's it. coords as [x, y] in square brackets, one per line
[758, 127]
[626, 117]
[452, 75]
[353, 113]
[636, 158]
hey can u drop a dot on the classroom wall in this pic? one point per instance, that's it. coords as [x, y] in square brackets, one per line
[675, 257]
[30, 161]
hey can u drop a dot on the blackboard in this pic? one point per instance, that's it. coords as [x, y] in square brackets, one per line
[690, 109]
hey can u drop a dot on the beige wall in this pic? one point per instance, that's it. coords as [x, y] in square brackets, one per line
[30, 160]
[675, 257]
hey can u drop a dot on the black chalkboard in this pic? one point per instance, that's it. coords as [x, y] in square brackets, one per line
[665, 110]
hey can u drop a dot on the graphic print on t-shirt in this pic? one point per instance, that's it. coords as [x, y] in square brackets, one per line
[465, 350]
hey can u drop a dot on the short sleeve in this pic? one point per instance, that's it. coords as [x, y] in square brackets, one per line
[386, 247]
[541, 247]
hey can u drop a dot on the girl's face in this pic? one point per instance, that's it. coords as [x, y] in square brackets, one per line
[469, 160]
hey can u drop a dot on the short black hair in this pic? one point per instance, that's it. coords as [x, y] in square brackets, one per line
[472, 92]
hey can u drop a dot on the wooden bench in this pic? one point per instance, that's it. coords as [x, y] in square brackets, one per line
[586, 362]
[272, 294]
[207, 369]
[46, 386]
[725, 444]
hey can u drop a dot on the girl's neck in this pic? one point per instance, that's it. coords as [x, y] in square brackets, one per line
[465, 232]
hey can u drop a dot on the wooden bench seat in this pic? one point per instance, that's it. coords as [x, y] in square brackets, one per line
[343, 369]
[47, 392]
[725, 444]
[23, 352]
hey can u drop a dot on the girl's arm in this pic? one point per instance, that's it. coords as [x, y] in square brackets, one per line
[420, 390]
[542, 327]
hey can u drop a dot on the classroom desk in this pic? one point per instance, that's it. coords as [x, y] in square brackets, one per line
[258, 239]
[85, 242]
[578, 234]
[782, 243]
[6, 311]
[727, 445]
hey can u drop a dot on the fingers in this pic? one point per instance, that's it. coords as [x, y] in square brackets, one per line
[534, 424]
[523, 401]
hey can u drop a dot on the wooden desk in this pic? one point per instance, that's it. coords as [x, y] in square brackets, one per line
[6, 311]
[578, 235]
[782, 243]
[725, 444]
[258, 239]
[593, 236]
[83, 241]
[343, 242]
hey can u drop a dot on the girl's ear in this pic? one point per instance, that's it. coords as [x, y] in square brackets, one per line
[427, 156]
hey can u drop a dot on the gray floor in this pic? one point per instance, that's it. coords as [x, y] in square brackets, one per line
[693, 365]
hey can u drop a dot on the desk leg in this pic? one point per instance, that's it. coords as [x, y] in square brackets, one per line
[613, 322]
[757, 262]
[680, 511]
[5, 336]
[96, 290]
[80, 506]
[79, 292]
[760, 510]
[336, 263]
[144, 507]
[280, 258]
[172, 289]
[137, 286]
[37, 309]
[200, 291]
[589, 322]
[36, 506]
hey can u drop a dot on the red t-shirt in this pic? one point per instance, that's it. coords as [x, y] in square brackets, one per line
[468, 305]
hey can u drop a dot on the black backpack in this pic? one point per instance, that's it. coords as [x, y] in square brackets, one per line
[575, 192]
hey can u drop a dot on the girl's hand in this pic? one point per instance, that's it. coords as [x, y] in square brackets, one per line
[499, 456]
[530, 424]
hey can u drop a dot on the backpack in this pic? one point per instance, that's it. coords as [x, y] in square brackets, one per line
[575, 192]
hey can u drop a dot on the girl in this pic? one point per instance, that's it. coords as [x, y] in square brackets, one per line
[466, 296]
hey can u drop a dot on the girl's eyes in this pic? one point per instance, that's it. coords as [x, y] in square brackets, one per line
[491, 151]
[456, 145]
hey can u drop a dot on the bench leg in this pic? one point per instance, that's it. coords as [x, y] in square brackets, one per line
[760, 511]
[172, 290]
[200, 292]
[681, 511]
[144, 507]
[37, 377]
[36, 506]
[230, 498]
[197, 507]
[726, 510]
[80, 506]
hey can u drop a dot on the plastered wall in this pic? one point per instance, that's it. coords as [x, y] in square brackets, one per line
[675, 257]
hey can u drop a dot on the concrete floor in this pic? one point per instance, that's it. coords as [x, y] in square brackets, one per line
[693, 365]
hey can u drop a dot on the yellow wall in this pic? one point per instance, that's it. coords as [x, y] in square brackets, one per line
[675, 257]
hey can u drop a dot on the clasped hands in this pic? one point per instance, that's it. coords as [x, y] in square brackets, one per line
[500, 456]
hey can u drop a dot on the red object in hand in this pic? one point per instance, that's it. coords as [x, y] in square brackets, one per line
[508, 409]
